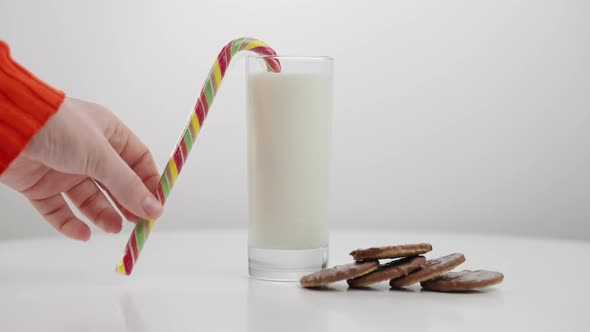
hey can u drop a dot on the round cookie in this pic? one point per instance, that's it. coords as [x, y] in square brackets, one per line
[431, 269]
[337, 273]
[404, 250]
[391, 270]
[463, 281]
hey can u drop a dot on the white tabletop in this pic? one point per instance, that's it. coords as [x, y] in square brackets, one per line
[198, 281]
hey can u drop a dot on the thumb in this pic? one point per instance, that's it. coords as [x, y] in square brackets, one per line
[124, 184]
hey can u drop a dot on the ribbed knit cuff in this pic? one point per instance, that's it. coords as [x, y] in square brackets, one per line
[26, 103]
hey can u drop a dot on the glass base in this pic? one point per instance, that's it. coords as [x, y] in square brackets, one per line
[285, 265]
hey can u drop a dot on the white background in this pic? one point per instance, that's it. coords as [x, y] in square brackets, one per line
[455, 115]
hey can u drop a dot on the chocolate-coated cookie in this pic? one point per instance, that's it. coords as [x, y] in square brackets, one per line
[404, 250]
[463, 281]
[337, 273]
[391, 270]
[431, 269]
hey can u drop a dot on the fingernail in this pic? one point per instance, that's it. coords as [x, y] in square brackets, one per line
[152, 206]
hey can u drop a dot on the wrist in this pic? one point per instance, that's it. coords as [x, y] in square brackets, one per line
[26, 103]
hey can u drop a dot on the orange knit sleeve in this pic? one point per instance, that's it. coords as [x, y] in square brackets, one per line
[26, 103]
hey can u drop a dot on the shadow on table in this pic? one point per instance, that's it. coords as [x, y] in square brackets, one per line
[287, 307]
[274, 306]
[133, 320]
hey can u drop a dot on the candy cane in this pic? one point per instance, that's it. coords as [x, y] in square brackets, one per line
[144, 227]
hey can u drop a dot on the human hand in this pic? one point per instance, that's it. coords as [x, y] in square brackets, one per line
[81, 147]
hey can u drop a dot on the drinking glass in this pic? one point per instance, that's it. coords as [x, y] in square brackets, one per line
[289, 152]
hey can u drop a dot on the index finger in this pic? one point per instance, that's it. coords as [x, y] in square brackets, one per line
[136, 154]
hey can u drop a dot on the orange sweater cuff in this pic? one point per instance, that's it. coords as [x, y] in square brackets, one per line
[26, 103]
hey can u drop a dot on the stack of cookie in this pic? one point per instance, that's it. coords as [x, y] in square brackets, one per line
[407, 267]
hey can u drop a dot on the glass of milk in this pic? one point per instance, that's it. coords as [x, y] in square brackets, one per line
[289, 152]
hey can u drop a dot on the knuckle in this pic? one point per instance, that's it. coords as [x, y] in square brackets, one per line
[96, 161]
[136, 184]
[92, 165]
[130, 188]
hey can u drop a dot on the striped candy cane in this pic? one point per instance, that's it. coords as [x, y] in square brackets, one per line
[174, 166]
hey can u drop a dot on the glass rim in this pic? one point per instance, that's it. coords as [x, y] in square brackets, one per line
[293, 57]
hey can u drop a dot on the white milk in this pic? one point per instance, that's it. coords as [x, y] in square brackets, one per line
[289, 148]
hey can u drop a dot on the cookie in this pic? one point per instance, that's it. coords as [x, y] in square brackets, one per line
[391, 270]
[463, 281]
[337, 273]
[431, 269]
[403, 250]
